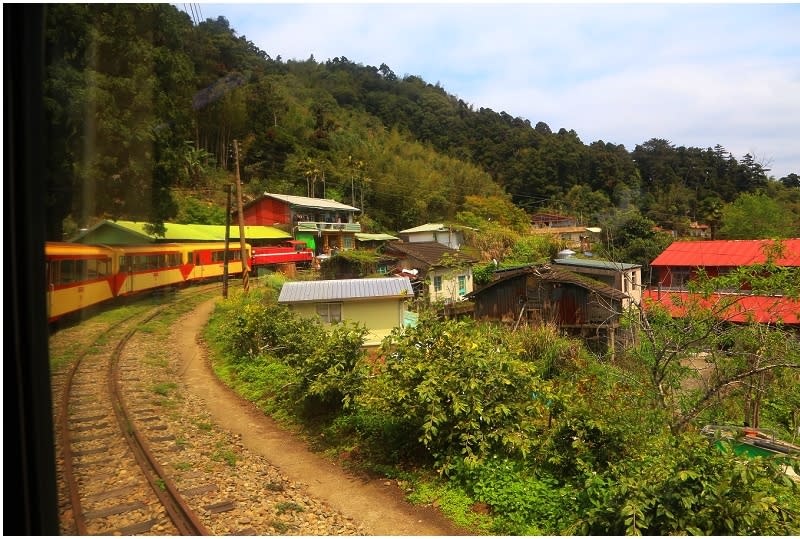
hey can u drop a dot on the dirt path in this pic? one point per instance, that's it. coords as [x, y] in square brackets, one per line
[378, 504]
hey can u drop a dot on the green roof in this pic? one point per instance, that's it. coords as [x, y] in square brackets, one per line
[115, 232]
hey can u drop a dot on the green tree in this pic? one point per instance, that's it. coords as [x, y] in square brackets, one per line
[121, 66]
[734, 355]
[755, 216]
[460, 388]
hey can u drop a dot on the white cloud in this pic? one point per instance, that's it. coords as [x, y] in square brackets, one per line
[697, 75]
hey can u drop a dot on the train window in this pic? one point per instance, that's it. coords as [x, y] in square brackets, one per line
[173, 259]
[219, 256]
[72, 271]
[92, 269]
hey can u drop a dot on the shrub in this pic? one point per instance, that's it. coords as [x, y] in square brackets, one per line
[458, 386]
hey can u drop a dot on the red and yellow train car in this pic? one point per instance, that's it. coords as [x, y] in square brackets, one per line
[81, 276]
[207, 260]
[146, 267]
[78, 276]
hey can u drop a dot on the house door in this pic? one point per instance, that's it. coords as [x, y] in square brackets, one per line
[567, 308]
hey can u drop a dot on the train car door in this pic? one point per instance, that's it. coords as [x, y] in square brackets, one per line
[126, 273]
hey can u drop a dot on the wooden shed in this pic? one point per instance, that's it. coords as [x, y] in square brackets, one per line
[578, 305]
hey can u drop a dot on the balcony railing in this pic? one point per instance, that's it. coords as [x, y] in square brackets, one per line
[317, 226]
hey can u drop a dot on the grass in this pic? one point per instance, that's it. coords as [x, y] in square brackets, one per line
[223, 454]
[452, 501]
[164, 388]
[205, 426]
[279, 526]
[285, 507]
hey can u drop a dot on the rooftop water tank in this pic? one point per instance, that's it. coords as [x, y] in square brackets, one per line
[566, 253]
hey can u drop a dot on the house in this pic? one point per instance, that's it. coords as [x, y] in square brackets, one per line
[682, 261]
[626, 278]
[577, 304]
[324, 224]
[579, 238]
[447, 235]
[133, 232]
[699, 230]
[446, 272]
[373, 241]
[379, 304]
[547, 220]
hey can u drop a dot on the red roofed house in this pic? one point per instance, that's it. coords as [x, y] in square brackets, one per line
[679, 264]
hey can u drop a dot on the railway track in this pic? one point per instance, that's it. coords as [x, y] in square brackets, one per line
[137, 457]
[115, 483]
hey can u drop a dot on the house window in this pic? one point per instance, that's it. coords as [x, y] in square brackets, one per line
[437, 283]
[680, 276]
[383, 269]
[348, 242]
[462, 285]
[330, 312]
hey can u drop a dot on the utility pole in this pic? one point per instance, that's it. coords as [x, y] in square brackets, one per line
[245, 264]
[227, 240]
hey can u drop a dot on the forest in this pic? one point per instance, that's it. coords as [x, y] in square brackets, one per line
[508, 432]
[143, 106]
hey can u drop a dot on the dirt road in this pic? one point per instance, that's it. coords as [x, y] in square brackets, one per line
[379, 505]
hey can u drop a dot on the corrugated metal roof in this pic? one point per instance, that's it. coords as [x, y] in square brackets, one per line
[761, 309]
[431, 253]
[598, 264]
[308, 202]
[344, 289]
[555, 275]
[722, 253]
[363, 236]
[561, 230]
[428, 227]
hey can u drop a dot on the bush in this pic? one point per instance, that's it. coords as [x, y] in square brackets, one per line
[683, 485]
[521, 502]
[459, 387]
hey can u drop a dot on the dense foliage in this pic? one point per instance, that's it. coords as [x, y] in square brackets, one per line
[526, 424]
[143, 106]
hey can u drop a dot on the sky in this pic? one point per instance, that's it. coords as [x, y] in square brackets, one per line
[694, 74]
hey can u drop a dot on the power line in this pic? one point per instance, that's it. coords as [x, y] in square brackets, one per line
[189, 12]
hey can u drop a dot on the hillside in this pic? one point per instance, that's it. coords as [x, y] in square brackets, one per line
[144, 107]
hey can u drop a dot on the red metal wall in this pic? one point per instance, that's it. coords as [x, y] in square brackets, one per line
[267, 212]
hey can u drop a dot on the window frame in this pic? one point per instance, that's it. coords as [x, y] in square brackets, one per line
[326, 311]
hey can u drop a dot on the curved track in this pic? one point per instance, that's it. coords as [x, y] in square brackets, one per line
[230, 489]
[115, 484]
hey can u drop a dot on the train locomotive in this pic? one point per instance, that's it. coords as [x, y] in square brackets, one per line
[79, 276]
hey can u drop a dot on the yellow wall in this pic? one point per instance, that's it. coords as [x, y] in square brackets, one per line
[449, 289]
[379, 316]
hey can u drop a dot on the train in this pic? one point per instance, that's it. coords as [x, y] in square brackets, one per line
[291, 251]
[80, 276]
